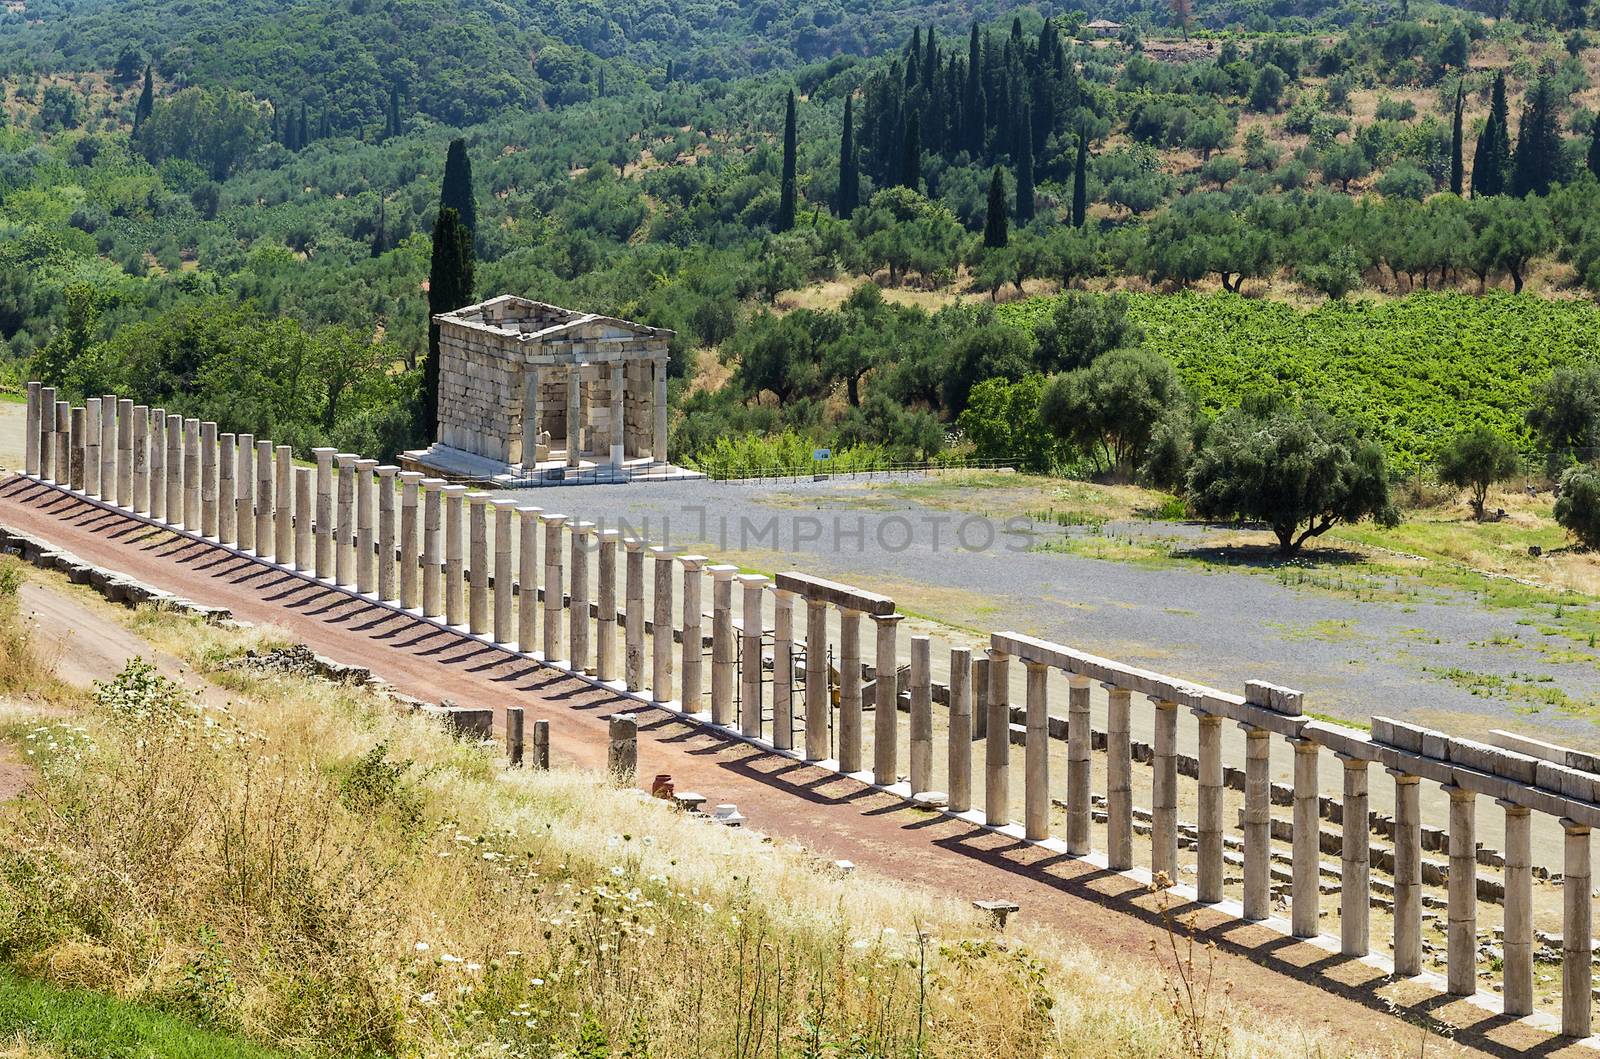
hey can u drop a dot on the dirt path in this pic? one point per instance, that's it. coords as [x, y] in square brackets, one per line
[835, 817]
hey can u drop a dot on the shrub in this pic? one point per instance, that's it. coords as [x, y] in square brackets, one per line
[1578, 506]
[1110, 410]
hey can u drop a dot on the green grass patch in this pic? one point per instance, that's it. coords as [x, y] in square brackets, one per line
[80, 1023]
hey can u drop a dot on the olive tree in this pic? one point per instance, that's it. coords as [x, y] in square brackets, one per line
[1475, 459]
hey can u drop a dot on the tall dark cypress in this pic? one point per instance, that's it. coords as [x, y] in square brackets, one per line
[380, 232]
[392, 120]
[1024, 166]
[455, 193]
[849, 167]
[911, 154]
[1491, 160]
[1594, 146]
[786, 199]
[972, 115]
[449, 288]
[147, 100]
[995, 233]
[980, 125]
[1538, 157]
[302, 136]
[1456, 161]
[930, 61]
[1080, 181]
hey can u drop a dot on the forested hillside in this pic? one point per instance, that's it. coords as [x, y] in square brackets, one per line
[233, 208]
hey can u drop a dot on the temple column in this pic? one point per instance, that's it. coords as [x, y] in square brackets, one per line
[1407, 875]
[782, 669]
[1461, 891]
[530, 416]
[959, 750]
[265, 504]
[1257, 822]
[751, 652]
[386, 531]
[47, 436]
[1036, 754]
[633, 614]
[89, 441]
[283, 523]
[553, 582]
[108, 448]
[1355, 868]
[1119, 778]
[528, 579]
[997, 743]
[432, 543]
[659, 449]
[618, 403]
[31, 431]
[366, 529]
[1164, 792]
[505, 577]
[344, 524]
[324, 525]
[191, 475]
[141, 461]
[244, 482]
[209, 519]
[62, 437]
[1304, 890]
[305, 546]
[578, 613]
[605, 625]
[1517, 947]
[1079, 773]
[722, 648]
[227, 489]
[886, 701]
[661, 628]
[455, 548]
[819, 702]
[1577, 945]
[78, 457]
[691, 696]
[1208, 875]
[125, 453]
[574, 412]
[174, 465]
[478, 563]
[850, 718]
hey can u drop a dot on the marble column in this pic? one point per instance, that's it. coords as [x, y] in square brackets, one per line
[210, 519]
[605, 626]
[959, 750]
[618, 405]
[478, 563]
[157, 435]
[1577, 943]
[659, 448]
[505, 576]
[1079, 773]
[432, 546]
[386, 531]
[191, 476]
[125, 454]
[244, 481]
[578, 612]
[530, 416]
[108, 448]
[61, 436]
[1461, 891]
[1208, 874]
[366, 528]
[174, 463]
[553, 585]
[528, 579]
[574, 415]
[782, 669]
[410, 540]
[722, 646]
[49, 469]
[691, 697]
[886, 701]
[324, 524]
[344, 523]
[1304, 887]
[1164, 792]
[1036, 754]
[283, 520]
[266, 506]
[997, 742]
[633, 614]
[89, 442]
[1407, 875]
[1119, 778]
[31, 431]
[1257, 822]
[305, 548]
[850, 718]
[455, 548]
[227, 488]
[819, 700]
[78, 458]
[1517, 949]
[752, 651]
[661, 627]
[1355, 867]
[140, 443]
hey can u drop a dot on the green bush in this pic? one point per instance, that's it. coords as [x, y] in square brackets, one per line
[1578, 506]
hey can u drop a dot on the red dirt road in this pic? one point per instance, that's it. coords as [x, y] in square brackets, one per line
[835, 817]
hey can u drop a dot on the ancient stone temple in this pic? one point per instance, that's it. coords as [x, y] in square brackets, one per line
[534, 391]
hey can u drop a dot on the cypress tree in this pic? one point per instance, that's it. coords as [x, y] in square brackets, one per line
[849, 169]
[1594, 147]
[911, 154]
[1456, 161]
[930, 61]
[1491, 161]
[301, 136]
[980, 125]
[914, 59]
[972, 128]
[147, 100]
[449, 288]
[380, 232]
[324, 128]
[670, 72]
[1080, 181]
[392, 119]
[1538, 155]
[787, 190]
[1024, 167]
[455, 193]
[994, 219]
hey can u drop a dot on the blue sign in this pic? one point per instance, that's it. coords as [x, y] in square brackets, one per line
[822, 454]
